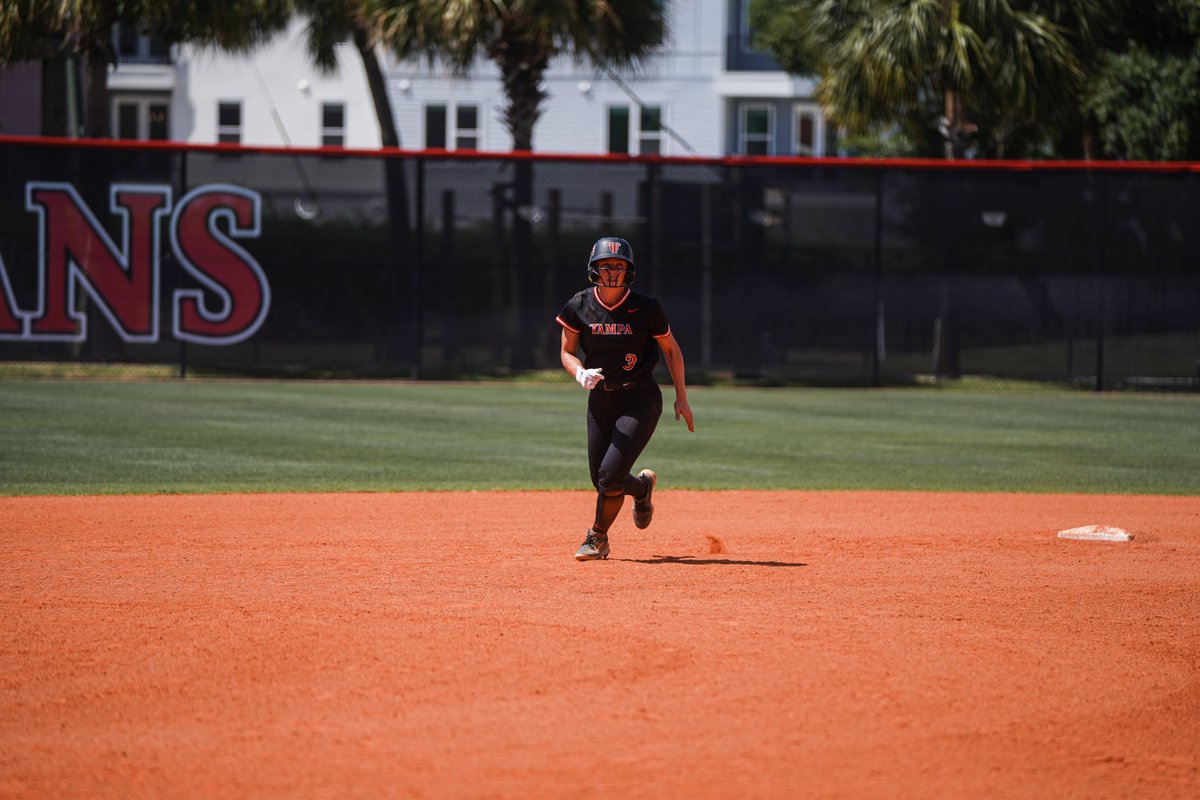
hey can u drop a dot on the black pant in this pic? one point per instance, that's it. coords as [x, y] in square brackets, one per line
[619, 425]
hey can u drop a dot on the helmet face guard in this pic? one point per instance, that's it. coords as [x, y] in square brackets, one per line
[610, 247]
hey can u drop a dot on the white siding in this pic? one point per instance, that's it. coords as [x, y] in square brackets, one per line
[278, 77]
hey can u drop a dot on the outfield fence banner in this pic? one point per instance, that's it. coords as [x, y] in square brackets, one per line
[431, 264]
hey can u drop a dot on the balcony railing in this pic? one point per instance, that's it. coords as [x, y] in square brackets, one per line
[740, 56]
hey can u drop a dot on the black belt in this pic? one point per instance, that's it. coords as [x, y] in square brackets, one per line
[612, 386]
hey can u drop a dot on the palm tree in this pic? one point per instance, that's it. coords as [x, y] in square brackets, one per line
[967, 66]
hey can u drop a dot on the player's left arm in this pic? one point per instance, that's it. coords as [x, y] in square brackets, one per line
[673, 357]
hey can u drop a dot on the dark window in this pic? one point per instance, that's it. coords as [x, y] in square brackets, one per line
[435, 127]
[127, 41]
[135, 43]
[159, 49]
[159, 129]
[618, 129]
[650, 131]
[333, 115]
[127, 121]
[333, 124]
[808, 141]
[466, 128]
[229, 122]
[757, 139]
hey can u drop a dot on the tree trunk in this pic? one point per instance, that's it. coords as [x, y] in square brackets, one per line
[97, 56]
[953, 108]
[403, 282]
[1089, 138]
[946, 362]
[378, 86]
[523, 61]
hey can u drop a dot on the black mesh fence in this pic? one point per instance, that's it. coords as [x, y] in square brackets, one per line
[431, 265]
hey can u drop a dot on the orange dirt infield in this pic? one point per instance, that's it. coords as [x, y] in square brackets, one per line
[843, 645]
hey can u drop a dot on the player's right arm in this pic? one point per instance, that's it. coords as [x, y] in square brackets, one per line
[587, 378]
[570, 345]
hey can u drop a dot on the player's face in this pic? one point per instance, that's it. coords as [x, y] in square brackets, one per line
[612, 272]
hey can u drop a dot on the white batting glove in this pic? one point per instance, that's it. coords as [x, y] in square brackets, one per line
[588, 378]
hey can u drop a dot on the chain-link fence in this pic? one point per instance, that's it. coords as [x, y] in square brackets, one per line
[434, 265]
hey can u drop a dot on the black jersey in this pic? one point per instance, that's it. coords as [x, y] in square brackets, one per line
[619, 339]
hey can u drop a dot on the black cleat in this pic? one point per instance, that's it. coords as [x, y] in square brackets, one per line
[594, 547]
[643, 510]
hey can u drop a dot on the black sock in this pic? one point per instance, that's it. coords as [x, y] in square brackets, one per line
[607, 508]
[636, 487]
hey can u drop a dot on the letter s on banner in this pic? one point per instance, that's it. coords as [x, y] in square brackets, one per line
[227, 272]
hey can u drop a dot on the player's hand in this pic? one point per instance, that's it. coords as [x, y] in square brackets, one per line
[589, 378]
[682, 409]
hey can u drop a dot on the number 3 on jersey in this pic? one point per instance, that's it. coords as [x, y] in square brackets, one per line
[630, 361]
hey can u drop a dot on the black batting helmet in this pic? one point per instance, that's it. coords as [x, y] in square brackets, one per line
[611, 247]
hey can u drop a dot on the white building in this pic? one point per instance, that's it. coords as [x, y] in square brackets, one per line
[272, 96]
[704, 92]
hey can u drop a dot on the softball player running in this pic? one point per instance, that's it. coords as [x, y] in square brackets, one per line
[619, 333]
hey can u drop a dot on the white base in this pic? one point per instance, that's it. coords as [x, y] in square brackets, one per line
[1096, 533]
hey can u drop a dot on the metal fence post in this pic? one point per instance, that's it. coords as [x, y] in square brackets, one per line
[1101, 284]
[653, 177]
[418, 259]
[877, 257]
[183, 353]
[706, 276]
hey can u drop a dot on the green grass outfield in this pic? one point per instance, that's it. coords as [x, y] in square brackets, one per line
[105, 437]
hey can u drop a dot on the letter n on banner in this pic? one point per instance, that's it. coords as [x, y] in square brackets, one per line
[74, 250]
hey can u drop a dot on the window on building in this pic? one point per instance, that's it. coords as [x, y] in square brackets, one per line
[229, 122]
[136, 44]
[127, 121]
[650, 130]
[158, 131]
[333, 124]
[435, 127]
[804, 131]
[466, 128]
[140, 118]
[756, 130]
[127, 37]
[618, 129]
